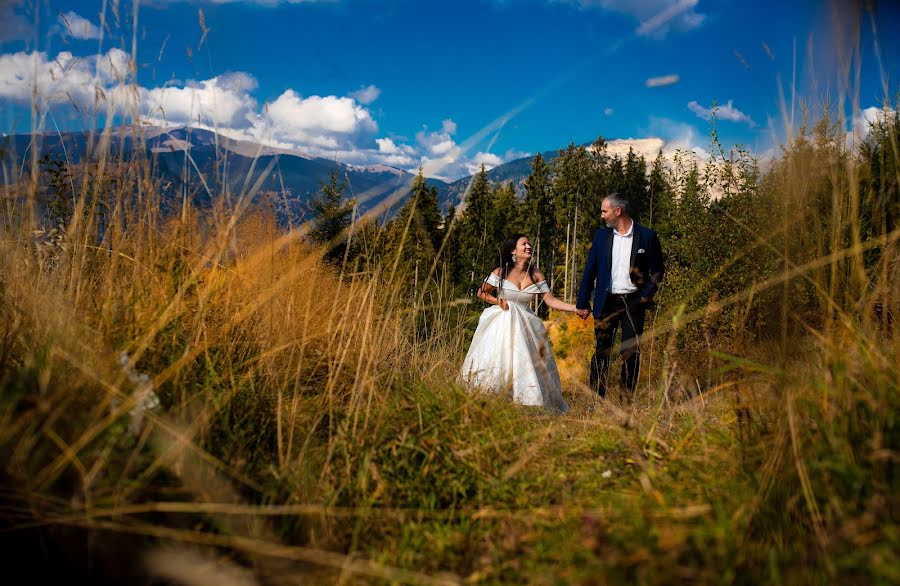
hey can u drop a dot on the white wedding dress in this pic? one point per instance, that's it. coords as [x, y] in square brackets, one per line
[510, 349]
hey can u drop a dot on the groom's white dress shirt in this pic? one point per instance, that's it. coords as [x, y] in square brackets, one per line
[621, 262]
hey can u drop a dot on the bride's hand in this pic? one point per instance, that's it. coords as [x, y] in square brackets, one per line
[503, 305]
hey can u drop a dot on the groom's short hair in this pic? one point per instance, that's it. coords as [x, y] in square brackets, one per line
[617, 200]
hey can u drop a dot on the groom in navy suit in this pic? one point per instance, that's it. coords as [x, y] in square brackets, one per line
[623, 272]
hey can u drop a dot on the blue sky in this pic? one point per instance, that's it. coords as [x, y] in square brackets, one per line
[445, 84]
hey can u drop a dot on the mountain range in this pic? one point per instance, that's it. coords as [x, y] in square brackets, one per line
[225, 162]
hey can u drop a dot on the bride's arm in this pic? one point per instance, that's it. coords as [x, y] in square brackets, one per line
[485, 293]
[557, 304]
[551, 301]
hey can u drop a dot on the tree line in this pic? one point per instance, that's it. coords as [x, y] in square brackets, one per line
[726, 225]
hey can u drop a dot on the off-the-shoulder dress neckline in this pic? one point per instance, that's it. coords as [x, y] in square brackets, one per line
[522, 289]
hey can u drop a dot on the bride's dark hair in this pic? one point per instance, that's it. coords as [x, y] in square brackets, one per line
[503, 259]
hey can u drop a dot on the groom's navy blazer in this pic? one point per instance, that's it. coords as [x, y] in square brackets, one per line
[646, 267]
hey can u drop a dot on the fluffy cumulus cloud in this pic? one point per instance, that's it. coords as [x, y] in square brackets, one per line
[440, 152]
[78, 27]
[387, 146]
[336, 127]
[63, 78]
[439, 143]
[862, 121]
[223, 101]
[726, 112]
[443, 158]
[489, 160]
[395, 154]
[656, 18]
[320, 121]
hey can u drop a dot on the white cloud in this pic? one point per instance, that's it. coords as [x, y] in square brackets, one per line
[360, 156]
[443, 147]
[608, 111]
[726, 112]
[489, 160]
[662, 81]
[439, 143]
[656, 17]
[222, 101]
[334, 127]
[64, 78]
[443, 158]
[237, 81]
[387, 146]
[78, 26]
[323, 121]
[862, 121]
[366, 95]
[646, 147]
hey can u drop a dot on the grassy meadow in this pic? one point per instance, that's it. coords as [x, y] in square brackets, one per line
[203, 397]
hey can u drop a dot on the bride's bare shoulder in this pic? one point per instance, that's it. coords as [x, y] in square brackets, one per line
[539, 276]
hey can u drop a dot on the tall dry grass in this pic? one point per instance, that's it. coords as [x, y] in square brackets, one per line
[309, 431]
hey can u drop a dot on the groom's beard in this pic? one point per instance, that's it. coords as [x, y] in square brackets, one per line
[612, 223]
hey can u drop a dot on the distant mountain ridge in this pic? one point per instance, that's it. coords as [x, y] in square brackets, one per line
[295, 173]
[222, 159]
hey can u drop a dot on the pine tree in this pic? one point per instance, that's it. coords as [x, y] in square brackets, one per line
[538, 204]
[428, 208]
[453, 257]
[414, 234]
[331, 215]
[635, 187]
[599, 186]
[571, 185]
[690, 244]
[880, 178]
[58, 186]
[615, 177]
[476, 231]
[507, 211]
[661, 198]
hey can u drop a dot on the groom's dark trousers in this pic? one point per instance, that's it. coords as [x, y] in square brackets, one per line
[612, 311]
[625, 312]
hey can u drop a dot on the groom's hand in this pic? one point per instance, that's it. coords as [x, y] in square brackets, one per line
[583, 313]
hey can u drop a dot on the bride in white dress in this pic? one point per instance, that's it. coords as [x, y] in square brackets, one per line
[510, 348]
